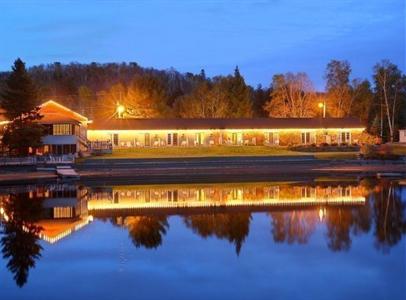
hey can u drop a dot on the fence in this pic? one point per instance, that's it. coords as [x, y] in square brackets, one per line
[35, 160]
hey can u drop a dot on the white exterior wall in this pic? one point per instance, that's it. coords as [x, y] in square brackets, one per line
[402, 136]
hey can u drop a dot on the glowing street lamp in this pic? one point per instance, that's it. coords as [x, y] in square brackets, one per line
[322, 105]
[120, 110]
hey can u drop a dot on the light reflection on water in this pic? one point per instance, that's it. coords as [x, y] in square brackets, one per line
[229, 226]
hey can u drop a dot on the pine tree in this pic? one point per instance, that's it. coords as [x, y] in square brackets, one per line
[19, 99]
[240, 98]
[19, 95]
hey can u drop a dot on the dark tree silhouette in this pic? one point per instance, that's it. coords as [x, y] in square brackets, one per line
[389, 215]
[20, 235]
[147, 231]
[231, 226]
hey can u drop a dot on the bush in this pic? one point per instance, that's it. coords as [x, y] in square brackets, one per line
[378, 152]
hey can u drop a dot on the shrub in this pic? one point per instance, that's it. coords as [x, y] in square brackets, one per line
[377, 152]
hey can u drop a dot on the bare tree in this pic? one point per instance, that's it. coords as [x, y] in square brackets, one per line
[389, 88]
[292, 95]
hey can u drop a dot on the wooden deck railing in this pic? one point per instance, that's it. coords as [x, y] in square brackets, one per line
[35, 160]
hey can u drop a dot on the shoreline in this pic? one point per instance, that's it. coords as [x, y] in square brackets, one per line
[206, 170]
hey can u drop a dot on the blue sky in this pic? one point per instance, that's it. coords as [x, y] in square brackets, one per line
[261, 37]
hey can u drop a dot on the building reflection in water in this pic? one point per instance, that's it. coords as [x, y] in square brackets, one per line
[224, 211]
[219, 195]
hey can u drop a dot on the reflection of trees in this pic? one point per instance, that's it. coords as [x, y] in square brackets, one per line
[146, 231]
[338, 222]
[341, 222]
[294, 226]
[20, 235]
[389, 215]
[231, 226]
[297, 226]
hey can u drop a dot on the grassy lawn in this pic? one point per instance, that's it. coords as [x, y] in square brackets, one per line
[177, 152]
[336, 155]
[398, 149]
[198, 152]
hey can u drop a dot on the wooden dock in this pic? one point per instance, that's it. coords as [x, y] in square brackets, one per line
[66, 172]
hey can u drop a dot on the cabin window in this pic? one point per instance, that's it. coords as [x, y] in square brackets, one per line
[345, 137]
[172, 139]
[62, 129]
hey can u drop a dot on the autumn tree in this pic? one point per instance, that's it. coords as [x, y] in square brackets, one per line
[147, 98]
[222, 97]
[292, 95]
[338, 88]
[205, 101]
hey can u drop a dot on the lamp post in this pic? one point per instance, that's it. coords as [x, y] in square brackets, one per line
[322, 105]
[120, 110]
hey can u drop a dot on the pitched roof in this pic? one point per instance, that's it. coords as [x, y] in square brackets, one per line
[238, 123]
[54, 112]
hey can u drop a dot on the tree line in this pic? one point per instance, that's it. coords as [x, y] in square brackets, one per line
[95, 89]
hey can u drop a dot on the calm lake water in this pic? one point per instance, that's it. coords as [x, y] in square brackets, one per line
[322, 239]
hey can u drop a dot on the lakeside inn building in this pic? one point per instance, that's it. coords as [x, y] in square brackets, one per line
[132, 133]
[69, 132]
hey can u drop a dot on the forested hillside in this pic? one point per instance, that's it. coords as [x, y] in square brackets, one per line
[96, 89]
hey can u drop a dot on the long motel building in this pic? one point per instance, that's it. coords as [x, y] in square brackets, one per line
[70, 132]
[132, 133]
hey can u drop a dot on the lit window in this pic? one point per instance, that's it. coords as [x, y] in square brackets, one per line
[62, 129]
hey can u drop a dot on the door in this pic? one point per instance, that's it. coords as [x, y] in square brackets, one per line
[198, 138]
[147, 141]
[115, 139]
[175, 139]
[234, 138]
